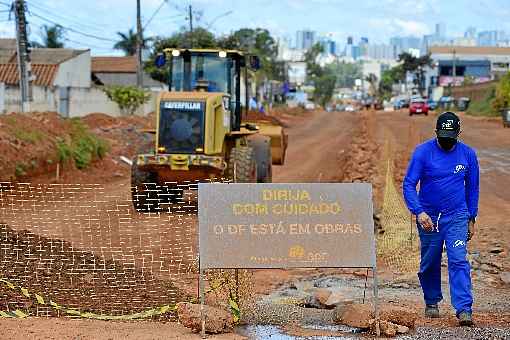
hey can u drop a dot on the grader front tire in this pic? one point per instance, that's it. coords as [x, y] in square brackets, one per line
[242, 166]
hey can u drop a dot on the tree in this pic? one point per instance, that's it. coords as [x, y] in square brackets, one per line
[502, 98]
[324, 88]
[127, 42]
[256, 41]
[372, 80]
[323, 81]
[51, 37]
[313, 69]
[388, 79]
[128, 98]
[201, 38]
[415, 66]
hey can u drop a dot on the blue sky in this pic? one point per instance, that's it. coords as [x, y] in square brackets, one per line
[376, 19]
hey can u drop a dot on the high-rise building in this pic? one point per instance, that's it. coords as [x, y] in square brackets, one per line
[403, 44]
[470, 33]
[356, 52]
[305, 39]
[488, 38]
[329, 46]
[441, 30]
[363, 46]
[348, 47]
[381, 52]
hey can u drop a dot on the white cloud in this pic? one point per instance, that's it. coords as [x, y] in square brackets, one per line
[410, 27]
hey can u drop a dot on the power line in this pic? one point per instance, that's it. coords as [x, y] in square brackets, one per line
[154, 14]
[170, 17]
[39, 24]
[50, 13]
[72, 29]
[80, 44]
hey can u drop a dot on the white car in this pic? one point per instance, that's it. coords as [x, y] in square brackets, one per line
[350, 108]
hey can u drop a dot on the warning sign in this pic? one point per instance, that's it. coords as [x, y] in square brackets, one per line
[286, 225]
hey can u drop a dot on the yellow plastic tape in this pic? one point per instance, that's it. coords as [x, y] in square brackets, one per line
[76, 313]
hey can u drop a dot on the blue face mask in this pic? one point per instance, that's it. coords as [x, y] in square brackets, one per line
[447, 143]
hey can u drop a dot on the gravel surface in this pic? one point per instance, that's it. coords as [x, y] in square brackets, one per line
[459, 333]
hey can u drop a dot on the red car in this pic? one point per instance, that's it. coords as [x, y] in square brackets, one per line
[418, 106]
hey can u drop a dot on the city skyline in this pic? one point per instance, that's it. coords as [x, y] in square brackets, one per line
[378, 20]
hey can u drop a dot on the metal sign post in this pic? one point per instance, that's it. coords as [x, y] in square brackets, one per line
[282, 226]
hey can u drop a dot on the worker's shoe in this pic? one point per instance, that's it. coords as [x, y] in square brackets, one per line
[432, 311]
[465, 319]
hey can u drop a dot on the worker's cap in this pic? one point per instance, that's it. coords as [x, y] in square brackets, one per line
[448, 125]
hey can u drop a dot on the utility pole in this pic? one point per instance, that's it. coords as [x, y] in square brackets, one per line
[24, 68]
[139, 42]
[191, 25]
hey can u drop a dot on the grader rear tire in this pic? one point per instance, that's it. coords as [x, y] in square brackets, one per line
[242, 166]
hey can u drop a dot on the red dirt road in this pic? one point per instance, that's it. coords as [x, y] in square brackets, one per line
[318, 147]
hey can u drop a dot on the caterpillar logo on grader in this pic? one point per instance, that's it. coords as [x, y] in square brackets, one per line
[202, 131]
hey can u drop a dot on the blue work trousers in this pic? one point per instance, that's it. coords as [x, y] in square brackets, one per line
[450, 230]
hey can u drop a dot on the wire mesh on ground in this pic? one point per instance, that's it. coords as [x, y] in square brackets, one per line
[85, 247]
[397, 246]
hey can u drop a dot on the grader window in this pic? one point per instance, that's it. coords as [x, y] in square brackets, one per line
[189, 72]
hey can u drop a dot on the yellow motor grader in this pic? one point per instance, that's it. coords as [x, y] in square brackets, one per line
[201, 130]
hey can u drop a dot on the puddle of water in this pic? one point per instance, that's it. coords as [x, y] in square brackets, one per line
[263, 332]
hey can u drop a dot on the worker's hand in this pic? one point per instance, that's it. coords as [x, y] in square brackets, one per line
[425, 221]
[471, 229]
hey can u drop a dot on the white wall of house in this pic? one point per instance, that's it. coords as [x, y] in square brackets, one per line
[74, 72]
[85, 101]
[44, 99]
[82, 101]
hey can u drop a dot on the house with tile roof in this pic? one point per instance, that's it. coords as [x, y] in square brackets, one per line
[120, 71]
[63, 80]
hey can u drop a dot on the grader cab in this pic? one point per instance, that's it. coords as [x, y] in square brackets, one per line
[201, 132]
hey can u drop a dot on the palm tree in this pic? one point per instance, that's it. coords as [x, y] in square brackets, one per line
[51, 37]
[127, 42]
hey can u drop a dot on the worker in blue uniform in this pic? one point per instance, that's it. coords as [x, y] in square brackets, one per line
[446, 208]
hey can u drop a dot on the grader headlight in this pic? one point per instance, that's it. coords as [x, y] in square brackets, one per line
[162, 160]
[140, 160]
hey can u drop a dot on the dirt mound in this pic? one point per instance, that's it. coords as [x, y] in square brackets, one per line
[291, 111]
[103, 120]
[260, 116]
[27, 143]
[29, 146]
[362, 158]
[75, 278]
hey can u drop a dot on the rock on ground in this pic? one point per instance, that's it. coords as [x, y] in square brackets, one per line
[217, 320]
[321, 295]
[398, 315]
[388, 328]
[359, 315]
[505, 277]
[355, 315]
[336, 299]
